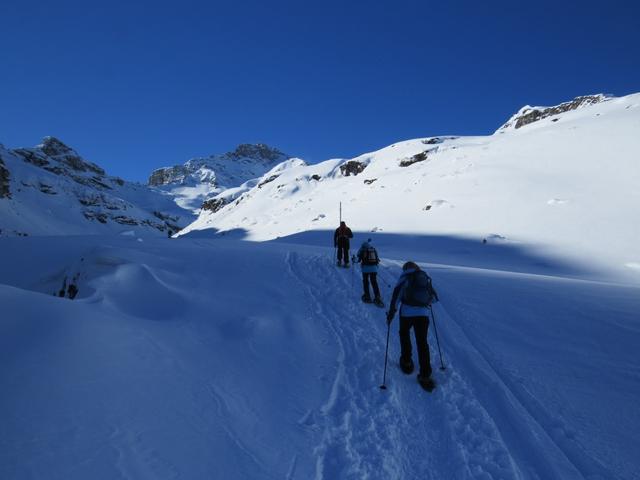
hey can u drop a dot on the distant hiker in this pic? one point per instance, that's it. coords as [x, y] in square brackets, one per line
[341, 241]
[415, 294]
[367, 256]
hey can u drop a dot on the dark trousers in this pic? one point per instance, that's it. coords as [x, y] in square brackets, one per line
[374, 283]
[343, 252]
[420, 326]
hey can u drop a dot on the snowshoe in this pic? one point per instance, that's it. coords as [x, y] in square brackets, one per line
[378, 302]
[366, 299]
[406, 366]
[427, 383]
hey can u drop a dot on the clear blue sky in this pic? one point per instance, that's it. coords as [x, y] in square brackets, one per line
[137, 85]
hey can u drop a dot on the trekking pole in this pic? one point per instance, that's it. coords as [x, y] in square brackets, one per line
[386, 354]
[435, 329]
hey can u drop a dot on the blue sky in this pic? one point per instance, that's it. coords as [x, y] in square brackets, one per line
[138, 85]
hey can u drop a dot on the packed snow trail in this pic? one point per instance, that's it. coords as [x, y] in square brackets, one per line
[214, 358]
[401, 433]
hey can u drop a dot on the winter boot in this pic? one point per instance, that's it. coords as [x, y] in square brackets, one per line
[366, 298]
[426, 382]
[406, 366]
[378, 302]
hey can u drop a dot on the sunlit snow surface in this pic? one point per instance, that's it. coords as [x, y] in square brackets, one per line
[211, 356]
[193, 358]
[567, 184]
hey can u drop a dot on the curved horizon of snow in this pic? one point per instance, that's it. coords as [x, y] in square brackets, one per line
[566, 184]
[194, 358]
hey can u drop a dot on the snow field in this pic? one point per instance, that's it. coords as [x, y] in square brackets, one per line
[192, 358]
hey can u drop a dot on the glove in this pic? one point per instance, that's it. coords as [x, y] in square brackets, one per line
[390, 315]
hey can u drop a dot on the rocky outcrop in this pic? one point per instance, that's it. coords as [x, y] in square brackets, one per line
[167, 175]
[418, 157]
[267, 180]
[258, 151]
[84, 188]
[52, 147]
[528, 115]
[214, 204]
[352, 167]
[5, 191]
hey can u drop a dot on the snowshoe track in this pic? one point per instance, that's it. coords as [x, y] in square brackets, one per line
[403, 432]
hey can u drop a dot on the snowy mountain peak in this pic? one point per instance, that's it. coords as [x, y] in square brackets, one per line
[203, 169]
[258, 151]
[528, 114]
[52, 146]
[201, 178]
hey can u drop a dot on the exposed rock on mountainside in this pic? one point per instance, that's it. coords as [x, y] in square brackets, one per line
[5, 192]
[258, 151]
[528, 115]
[352, 167]
[200, 179]
[245, 162]
[167, 175]
[82, 197]
[214, 204]
[418, 157]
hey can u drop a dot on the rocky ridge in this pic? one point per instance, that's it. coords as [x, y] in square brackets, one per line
[527, 114]
[81, 195]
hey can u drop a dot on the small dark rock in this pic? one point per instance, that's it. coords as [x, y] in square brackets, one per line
[369, 181]
[418, 157]
[268, 180]
[352, 167]
[214, 204]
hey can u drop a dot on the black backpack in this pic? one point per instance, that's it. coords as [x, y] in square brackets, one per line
[369, 256]
[418, 292]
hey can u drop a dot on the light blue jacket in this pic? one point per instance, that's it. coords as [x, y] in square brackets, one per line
[363, 267]
[398, 291]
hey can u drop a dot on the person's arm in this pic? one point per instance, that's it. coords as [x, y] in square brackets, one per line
[349, 233]
[335, 238]
[396, 297]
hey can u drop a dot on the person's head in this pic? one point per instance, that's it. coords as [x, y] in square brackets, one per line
[343, 224]
[410, 266]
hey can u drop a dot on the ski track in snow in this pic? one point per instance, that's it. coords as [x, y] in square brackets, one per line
[403, 432]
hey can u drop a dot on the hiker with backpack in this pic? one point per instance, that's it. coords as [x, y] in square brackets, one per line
[341, 242]
[367, 256]
[415, 294]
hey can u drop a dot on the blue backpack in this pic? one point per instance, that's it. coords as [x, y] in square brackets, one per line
[418, 292]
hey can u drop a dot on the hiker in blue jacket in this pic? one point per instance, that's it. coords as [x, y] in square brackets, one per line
[367, 256]
[414, 293]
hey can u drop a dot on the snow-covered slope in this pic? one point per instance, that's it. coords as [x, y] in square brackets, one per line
[51, 190]
[158, 369]
[199, 179]
[565, 183]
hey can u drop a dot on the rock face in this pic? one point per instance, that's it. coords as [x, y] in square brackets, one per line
[418, 157]
[214, 204]
[5, 192]
[168, 175]
[201, 179]
[352, 167]
[232, 168]
[528, 115]
[56, 191]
